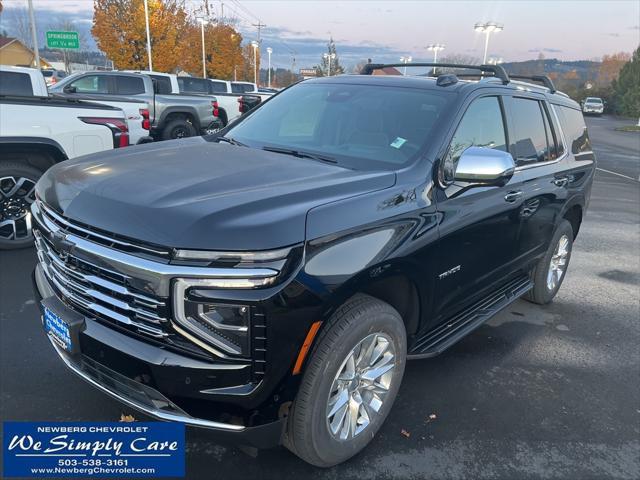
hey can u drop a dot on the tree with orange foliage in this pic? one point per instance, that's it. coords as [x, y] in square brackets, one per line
[611, 66]
[119, 30]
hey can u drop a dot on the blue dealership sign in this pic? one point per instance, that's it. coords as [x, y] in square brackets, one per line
[83, 449]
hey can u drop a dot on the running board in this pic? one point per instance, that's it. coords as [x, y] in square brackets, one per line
[436, 341]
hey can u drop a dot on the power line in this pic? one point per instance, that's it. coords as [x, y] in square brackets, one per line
[259, 26]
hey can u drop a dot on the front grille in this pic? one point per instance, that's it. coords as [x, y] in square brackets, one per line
[97, 291]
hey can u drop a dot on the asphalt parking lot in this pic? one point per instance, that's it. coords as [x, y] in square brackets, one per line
[538, 392]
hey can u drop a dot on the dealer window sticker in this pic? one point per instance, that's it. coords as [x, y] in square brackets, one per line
[398, 142]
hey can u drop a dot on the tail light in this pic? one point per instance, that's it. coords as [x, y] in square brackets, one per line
[53, 80]
[118, 127]
[216, 109]
[240, 105]
[146, 123]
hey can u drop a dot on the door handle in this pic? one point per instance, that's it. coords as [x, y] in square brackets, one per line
[561, 181]
[512, 196]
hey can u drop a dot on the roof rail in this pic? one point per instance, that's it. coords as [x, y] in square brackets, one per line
[543, 79]
[497, 70]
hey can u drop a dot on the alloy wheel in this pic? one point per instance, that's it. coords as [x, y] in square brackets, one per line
[360, 387]
[558, 263]
[16, 196]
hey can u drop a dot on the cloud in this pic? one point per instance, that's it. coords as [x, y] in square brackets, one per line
[635, 27]
[613, 34]
[548, 50]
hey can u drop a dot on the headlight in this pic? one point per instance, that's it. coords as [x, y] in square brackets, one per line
[220, 328]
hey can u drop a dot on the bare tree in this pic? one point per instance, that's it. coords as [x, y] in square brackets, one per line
[21, 27]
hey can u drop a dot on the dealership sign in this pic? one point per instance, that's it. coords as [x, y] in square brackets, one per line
[83, 449]
[67, 40]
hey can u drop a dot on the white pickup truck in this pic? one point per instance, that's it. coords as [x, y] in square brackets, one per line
[37, 131]
[227, 94]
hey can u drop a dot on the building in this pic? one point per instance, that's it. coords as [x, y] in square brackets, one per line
[14, 52]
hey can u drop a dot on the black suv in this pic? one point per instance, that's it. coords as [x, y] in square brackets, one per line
[269, 282]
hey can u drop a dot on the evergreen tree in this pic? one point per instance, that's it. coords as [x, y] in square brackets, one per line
[627, 87]
[323, 67]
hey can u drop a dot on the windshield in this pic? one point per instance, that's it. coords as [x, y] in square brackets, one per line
[364, 127]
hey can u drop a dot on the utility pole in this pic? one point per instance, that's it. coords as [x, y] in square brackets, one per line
[222, 11]
[259, 26]
[146, 19]
[34, 35]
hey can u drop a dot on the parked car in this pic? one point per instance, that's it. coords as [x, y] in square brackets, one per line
[38, 131]
[171, 116]
[52, 76]
[269, 282]
[228, 94]
[593, 105]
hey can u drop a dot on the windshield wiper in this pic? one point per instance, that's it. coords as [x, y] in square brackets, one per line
[231, 141]
[301, 154]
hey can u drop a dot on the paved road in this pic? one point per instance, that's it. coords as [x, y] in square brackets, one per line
[538, 392]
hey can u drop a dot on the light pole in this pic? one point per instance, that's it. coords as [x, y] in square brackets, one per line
[269, 52]
[405, 60]
[329, 56]
[487, 28]
[203, 21]
[255, 46]
[34, 36]
[435, 48]
[146, 20]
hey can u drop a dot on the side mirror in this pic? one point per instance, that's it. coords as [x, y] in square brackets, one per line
[69, 89]
[485, 167]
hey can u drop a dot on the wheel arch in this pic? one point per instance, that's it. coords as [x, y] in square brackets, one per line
[49, 151]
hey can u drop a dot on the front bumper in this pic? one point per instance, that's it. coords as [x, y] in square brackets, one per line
[164, 368]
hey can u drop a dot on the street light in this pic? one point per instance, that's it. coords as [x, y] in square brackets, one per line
[495, 61]
[269, 52]
[255, 46]
[203, 21]
[146, 21]
[487, 28]
[329, 56]
[405, 60]
[435, 48]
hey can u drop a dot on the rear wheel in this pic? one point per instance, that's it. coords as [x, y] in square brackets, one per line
[350, 383]
[178, 128]
[17, 193]
[549, 272]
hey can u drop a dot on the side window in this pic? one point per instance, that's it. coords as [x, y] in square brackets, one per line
[481, 126]
[574, 128]
[218, 87]
[132, 85]
[91, 84]
[15, 83]
[529, 138]
[193, 85]
[162, 84]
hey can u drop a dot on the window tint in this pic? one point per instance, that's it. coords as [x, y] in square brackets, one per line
[14, 83]
[481, 126]
[193, 85]
[529, 138]
[574, 128]
[241, 87]
[49, 73]
[555, 146]
[91, 84]
[162, 84]
[129, 85]
[364, 127]
[218, 87]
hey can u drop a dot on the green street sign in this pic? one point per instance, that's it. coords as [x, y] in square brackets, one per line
[63, 40]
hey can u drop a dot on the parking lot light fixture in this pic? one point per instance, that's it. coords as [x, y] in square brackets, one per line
[269, 52]
[487, 28]
[405, 60]
[495, 61]
[203, 21]
[255, 46]
[435, 48]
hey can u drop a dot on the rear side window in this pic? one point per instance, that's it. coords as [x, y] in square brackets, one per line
[574, 128]
[162, 84]
[15, 83]
[241, 87]
[529, 136]
[218, 87]
[129, 85]
[481, 126]
[193, 85]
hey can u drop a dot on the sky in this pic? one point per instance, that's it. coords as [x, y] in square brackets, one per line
[386, 30]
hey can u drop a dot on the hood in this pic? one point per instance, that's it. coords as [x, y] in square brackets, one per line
[200, 195]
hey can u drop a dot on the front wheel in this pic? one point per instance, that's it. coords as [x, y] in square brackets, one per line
[17, 193]
[549, 272]
[350, 383]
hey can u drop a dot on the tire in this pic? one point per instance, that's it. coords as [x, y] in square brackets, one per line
[361, 319]
[543, 290]
[17, 184]
[178, 128]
